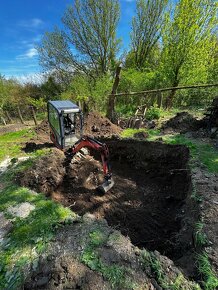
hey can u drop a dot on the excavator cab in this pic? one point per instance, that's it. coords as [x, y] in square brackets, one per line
[66, 123]
[66, 132]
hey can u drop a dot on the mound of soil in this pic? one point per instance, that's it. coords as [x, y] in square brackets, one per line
[99, 126]
[182, 122]
[95, 125]
[46, 174]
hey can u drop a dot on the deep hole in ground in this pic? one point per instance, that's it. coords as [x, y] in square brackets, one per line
[152, 182]
[150, 201]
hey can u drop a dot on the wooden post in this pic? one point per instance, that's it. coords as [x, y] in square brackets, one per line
[111, 101]
[159, 99]
[20, 115]
[34, 115]
[8, 116]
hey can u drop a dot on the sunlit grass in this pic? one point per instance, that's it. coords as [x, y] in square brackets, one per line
[11, 143]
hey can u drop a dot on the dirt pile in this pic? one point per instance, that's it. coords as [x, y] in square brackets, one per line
[45, 174]
[182, 122]
[99, 126]
[94, 125]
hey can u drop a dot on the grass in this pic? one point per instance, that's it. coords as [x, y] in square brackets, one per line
[199, 235]
[210, 280]
[116, 275]
[29, 236]
[129, 133]
[205, 153]
[11, 143]
[148, 259]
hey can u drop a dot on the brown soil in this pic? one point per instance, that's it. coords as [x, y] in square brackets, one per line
[183, 122]
[64, 273]
[148, 201]
[99, 126]
[94, 125]
[60, 267]
[12, 128]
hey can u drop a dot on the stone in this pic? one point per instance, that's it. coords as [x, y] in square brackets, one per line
[22, 210]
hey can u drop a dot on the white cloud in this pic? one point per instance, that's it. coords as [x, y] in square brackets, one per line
[31, 23]
[30, 53]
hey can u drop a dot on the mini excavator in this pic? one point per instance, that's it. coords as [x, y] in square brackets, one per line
[66, 132]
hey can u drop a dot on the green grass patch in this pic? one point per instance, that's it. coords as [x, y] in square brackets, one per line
[11, 143]
[129, 133]
[205, 153]
[210, 280]
[29, 236]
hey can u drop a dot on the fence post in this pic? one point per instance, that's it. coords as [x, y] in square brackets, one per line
[20, 115]
[34, 115]
[159, 99]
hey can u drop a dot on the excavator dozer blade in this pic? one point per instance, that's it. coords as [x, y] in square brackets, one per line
[104, 187]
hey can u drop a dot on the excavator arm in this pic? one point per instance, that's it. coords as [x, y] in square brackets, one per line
[89, 142]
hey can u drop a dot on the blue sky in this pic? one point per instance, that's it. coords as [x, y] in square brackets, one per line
[23, 23]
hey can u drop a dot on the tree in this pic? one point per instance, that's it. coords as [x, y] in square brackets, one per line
[89, 43]
[146, 28]
[187, 43]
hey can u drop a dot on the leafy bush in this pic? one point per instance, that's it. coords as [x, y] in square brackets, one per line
[153, 113]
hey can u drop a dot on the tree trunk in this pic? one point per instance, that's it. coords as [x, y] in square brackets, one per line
[111, 100]
[169, 101]
[8, 116]
[20, 115]
[34, 115]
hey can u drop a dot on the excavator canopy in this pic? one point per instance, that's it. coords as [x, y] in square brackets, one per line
[66, 123]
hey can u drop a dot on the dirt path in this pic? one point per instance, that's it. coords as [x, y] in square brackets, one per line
[12, 128]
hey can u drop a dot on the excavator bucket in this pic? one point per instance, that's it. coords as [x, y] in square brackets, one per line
[106, 186]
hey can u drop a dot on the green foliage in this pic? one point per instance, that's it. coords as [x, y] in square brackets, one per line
[210, 280]
[97, 238]
[39, 104]
[146, 29]
[153, 113]
[93, 93]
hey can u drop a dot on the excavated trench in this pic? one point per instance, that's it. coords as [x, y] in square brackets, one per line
[150, 201]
